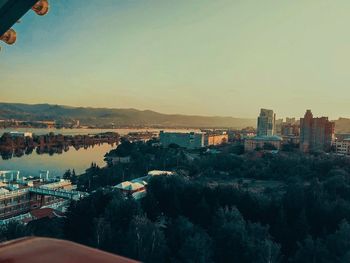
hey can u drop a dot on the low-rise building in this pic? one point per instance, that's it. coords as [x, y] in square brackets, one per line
[15, 134]
[189, 140]
[159, 172]
[262, 142]
[136, 188]
[343, 147]
[19, 199]
[118, 159]
[215, 139]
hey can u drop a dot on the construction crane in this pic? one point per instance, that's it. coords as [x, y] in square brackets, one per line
[12, 10]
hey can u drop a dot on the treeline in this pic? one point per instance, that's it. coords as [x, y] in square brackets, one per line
[186, 219]
[228, 163]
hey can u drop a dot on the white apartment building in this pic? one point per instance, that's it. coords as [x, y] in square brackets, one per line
[343, 147]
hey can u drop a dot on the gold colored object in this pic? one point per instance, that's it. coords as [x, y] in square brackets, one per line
[9, 37]
[41, 7]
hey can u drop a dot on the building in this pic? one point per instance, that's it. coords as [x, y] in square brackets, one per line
[137, 188]
[131, 187]
[291, 133]
[20, 197]
[238, 135]
[262, 142]
[278, 127]
[15, 134]
[342, 147]
[316, 134]
[291, 120]
[289, 129]
[265, 139]
[215, 139]
[159, 172]
[190, 140]
[266, 123]
[112, 160]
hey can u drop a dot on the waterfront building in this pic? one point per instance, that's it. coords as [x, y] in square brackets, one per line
[190, 140]
[316, 134]
[266, 123]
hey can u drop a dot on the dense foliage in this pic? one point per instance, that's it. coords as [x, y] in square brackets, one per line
[221, 207]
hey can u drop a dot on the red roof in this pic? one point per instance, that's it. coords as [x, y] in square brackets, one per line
[34, 249]
[45, 212]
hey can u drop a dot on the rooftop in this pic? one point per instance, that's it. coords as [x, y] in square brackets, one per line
[34, 249]
[159, 172]
[266, 138]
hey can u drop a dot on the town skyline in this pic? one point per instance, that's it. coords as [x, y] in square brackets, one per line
[174, 131]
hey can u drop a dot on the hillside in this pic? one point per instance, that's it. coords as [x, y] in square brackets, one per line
[120, 117]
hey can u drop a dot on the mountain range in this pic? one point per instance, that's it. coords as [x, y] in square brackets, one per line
[101, 117]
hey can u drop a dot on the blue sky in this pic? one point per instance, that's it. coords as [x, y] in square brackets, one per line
[206, 57]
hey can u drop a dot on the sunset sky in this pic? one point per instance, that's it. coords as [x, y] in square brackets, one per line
[206, 57]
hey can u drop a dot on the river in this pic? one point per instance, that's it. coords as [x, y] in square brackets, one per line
[89, 131]
[57, 164]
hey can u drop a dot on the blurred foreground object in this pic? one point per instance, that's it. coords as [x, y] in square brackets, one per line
[12, 10]
[41, 7]
[9, 37]
[36, 249]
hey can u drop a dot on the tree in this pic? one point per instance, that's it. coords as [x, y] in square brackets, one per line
[238, 241]
[13, 230]
[312, 251]
[187, 242]
[67, 175]
[339, 242]
[145, 240]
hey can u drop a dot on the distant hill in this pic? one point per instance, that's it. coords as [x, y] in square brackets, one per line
[120, 117]
[342, 125]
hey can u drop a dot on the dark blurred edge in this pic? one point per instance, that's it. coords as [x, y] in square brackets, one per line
[11, 11]
[36, 249]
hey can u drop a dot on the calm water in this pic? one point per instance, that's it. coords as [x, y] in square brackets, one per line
[57, 164]
[89, 131]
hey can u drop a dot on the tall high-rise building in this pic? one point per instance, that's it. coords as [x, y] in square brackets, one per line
[266, 123]
[316, 134]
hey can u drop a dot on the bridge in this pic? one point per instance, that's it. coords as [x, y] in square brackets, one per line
[61, 193]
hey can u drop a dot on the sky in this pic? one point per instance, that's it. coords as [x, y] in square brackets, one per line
[202, 57]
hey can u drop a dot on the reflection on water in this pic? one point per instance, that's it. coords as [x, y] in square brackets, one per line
[32, 161]
[57, 164]
[89, 131]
